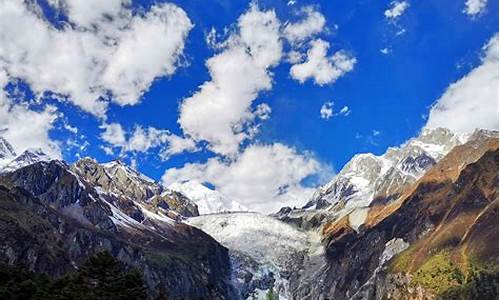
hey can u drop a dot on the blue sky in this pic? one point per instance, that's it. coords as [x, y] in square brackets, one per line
[388, 96]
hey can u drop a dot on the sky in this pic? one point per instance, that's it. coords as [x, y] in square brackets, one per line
[262, 101]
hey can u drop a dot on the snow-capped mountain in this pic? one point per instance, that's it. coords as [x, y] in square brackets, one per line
[208, 200]
[136, 191]
[7, 153]
[367, 177]
[28, 157]
[80, 209]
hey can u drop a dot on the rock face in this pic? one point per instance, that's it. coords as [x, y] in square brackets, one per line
[121, 181]
[54, 216]
[436, 235]
[367, 177]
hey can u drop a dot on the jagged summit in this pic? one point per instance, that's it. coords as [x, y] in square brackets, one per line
[6, 149]
[367, 176]
[7, 152]
[28, 157]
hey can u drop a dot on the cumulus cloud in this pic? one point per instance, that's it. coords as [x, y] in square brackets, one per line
[141, 140]
[472, 101]
[475, 7]
[238, 73]
[113, 134]
[313, 23]
[320, 67]
[396, 10]
[107, 53]
[263, 177]
[25, 128]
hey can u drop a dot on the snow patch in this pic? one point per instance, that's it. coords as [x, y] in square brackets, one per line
[357, 217]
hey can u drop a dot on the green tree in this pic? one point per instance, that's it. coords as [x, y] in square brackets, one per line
[101, 277]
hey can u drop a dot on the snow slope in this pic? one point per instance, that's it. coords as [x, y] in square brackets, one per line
[26, 158]
[208, 200]
[367, 176]
[7, 152]
[260, 247]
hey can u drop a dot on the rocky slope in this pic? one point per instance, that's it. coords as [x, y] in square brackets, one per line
[429, 242]
[130, 187]
[53, 216]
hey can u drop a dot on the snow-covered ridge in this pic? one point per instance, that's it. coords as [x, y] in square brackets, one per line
[209, 201]
[114, 166]
[367, 176]
[28, 157]
[7, 153]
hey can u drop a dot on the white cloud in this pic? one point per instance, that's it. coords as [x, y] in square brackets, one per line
[472, 101]
[385, 50]
[397, 9]
[320, 67]
[326, 110]
[238, 74]
[141, 140]
[312, 24]
[25, 128]
[113, 134]
[119, 55]
[176, 145]
[263, 111]
[90, 12]
[263, 177]
[33, 134]
[345, 111]
[475, 7]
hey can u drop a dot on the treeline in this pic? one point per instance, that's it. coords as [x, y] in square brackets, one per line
[101, 277]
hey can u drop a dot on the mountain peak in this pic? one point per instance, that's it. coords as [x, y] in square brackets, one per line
[209, 201]
[28, 157]
[6, 149]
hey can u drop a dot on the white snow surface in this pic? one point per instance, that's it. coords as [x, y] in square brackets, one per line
[263, 238]
[271, 243]
[363, 173]
[208, 200]
[7, 153]
[28, 157]
[357, 217]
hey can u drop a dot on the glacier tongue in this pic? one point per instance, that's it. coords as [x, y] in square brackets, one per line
[265, 252]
